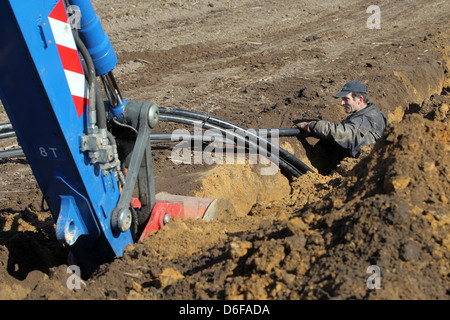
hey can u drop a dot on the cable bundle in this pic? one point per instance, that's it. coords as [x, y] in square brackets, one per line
[289, 164]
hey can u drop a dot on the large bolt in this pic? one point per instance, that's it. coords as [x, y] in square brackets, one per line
[153, 116]
[166, 218]
[121, 221]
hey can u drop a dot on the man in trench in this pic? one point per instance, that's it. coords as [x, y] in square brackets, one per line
[364, 125]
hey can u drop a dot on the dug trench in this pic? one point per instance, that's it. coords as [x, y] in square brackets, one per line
[316, 237]
[311, 238]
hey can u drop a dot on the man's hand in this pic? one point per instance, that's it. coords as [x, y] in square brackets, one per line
[304, 126]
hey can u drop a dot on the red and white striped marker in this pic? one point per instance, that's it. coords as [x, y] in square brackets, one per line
[65, 42]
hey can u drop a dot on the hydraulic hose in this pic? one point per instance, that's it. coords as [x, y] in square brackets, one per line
[100, 107]
[228, 125]
[95, 96]
[90, 76]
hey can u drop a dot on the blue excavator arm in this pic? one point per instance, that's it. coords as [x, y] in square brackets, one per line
[48, 89]
[53, 58]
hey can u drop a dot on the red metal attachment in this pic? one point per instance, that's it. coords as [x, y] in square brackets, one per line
[169, 206]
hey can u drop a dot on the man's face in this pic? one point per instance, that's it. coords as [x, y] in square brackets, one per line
[350, 104]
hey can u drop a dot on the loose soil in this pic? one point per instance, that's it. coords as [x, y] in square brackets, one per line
[268, 64]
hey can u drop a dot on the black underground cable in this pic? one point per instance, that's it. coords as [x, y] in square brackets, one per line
[6, 127]
[158, 138]
[11, 153]
[228, 125]
[231, 126]
[287, 162]
[285, 166]
[7, 135]
[267, 133]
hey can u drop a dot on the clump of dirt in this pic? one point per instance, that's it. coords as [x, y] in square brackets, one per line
[437, 107]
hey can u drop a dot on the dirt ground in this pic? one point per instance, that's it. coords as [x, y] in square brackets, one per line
[266, 64]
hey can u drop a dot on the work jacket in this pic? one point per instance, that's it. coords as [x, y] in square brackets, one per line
[363, 127]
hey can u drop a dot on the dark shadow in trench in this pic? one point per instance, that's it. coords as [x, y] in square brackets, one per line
[29, 250]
